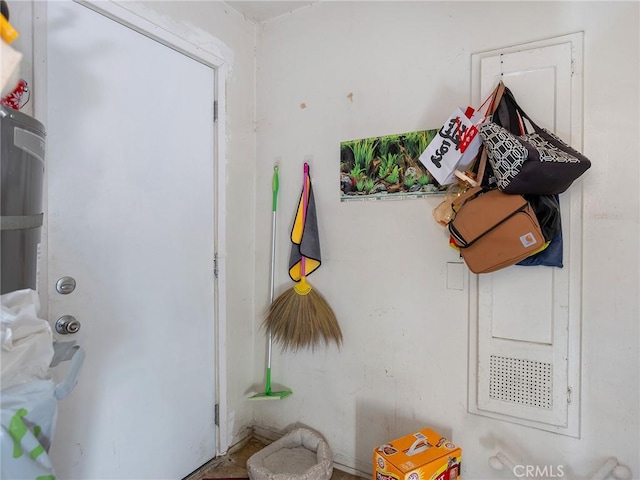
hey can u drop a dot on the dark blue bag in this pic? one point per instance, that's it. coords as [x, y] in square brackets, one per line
[549, 257]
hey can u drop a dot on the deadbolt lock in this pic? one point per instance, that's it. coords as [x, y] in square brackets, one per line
[65, 285]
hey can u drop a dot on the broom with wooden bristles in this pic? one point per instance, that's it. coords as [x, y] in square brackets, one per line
[301, 317]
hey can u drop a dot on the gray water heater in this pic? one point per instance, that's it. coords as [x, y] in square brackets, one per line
[22, 148]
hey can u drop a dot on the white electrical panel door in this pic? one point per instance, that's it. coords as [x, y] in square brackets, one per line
[524, 321]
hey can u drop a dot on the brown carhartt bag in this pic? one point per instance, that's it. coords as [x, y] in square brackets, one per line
[494, 230]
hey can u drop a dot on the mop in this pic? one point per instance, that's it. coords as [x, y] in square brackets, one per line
[268, 393]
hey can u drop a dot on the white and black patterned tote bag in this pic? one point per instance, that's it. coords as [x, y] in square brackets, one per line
[533, 163]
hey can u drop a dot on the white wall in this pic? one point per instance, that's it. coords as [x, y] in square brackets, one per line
[403, 364]
[404, 360]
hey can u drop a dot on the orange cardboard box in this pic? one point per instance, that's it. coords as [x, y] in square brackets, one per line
[424, 455]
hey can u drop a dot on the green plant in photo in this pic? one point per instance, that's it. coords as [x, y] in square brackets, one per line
[360, 184]
[356, 173]
[386, 144]
[363, 151]
[354, 146]
[431, 134]
[409, 182]
[415, 143]
[388, 161]
[369, 184]
[423, 180]
[394, 176]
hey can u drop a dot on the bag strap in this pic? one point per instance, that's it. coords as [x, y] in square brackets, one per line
[472, 192]
[506, 115]
[497, 97]
[482, 165]
[520, 111]
[499, 92]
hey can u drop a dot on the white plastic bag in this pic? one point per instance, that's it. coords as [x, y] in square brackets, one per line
[27, 341]
[454, 147]
[27, 421]
[28, 402]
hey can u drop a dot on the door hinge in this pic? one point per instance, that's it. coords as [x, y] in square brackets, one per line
[569, 392]
[216, 415]
[215, 264]
[215, 111]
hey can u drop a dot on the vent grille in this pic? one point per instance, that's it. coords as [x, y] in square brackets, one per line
[521, 381]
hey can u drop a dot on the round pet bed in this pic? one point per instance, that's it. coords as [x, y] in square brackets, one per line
[301, 454]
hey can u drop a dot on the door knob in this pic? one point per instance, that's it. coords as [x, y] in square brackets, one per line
[67, 324]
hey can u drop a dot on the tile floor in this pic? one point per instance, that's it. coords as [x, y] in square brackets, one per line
[233, 465]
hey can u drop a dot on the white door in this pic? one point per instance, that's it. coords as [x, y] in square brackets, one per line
[524, 361]
[130, 164]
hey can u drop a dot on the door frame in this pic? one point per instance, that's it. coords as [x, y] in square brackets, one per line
[219, 58]
[572, 428]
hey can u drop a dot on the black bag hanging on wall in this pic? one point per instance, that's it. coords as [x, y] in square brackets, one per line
[546, 207]
[528, 163]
